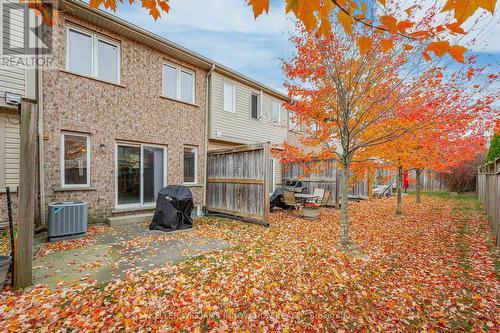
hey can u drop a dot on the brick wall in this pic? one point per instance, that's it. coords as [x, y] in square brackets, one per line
[133, 111]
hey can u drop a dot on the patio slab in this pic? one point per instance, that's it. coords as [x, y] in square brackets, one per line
[117, 251]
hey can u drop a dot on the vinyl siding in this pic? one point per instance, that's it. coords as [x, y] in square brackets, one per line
[12, 79]
[239, 126]
[10, 142]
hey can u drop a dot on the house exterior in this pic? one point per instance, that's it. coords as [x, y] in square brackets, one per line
[17, 81]
[124, 115]
[243, 111]
[126, 112]
[123, 112]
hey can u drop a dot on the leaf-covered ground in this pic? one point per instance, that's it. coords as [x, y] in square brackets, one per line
[71, 244]
[432, 269]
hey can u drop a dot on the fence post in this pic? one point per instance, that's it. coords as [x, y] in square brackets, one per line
[27, 178]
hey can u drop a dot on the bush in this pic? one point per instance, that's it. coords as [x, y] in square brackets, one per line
[494, 150]
[463, 178]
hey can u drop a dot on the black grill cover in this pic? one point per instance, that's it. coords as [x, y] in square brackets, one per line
[173, 209]
[278, 199]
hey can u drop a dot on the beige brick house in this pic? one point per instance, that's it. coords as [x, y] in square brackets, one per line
[124, 115]
[126, 112]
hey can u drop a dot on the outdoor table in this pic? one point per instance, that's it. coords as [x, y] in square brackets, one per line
[306, 197]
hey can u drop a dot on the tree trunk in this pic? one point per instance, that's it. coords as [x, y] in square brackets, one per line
[344, 236]
[400, 194]
[418, 172]
[371, 177]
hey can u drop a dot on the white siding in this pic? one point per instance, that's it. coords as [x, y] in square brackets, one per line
[10, 140]
[239, 126]
[12, 79]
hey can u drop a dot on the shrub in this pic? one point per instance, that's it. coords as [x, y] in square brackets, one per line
[494, 151]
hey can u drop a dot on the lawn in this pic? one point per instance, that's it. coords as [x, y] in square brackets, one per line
[432, 269]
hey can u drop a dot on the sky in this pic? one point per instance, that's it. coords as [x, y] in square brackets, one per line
[226, 31]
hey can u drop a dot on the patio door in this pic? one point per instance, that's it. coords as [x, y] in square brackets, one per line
[140, 174]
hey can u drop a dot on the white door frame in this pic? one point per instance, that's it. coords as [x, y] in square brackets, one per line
[141, 146]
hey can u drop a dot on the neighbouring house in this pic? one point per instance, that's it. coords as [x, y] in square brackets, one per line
[18, 80]
[244, 111]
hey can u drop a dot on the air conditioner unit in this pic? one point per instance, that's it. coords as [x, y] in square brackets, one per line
[67, 220]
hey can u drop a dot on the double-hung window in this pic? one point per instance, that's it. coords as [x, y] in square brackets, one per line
[190, 165]
[229, 97]
[276, 112]
[92, 55]
[178, 83]
[256, 105]
[75, 160]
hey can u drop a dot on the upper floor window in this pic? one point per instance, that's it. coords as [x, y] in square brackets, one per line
[229, 97]
[75, 159]
[92, 55]
[178, 83]
[276, 112]
[256, 105]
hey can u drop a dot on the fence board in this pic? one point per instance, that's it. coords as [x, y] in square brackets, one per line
[322, 175]
[488, 188]
[237, 181]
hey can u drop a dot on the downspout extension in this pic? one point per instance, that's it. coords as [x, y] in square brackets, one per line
[41, 160]
[207, 112]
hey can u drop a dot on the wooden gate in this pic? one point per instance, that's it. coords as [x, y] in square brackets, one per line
[238, 181]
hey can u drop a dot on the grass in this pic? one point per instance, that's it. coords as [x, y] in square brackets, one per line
[448, 195]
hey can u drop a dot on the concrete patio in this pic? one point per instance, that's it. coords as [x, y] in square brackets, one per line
[118, 250]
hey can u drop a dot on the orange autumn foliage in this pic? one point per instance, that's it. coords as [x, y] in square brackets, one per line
[318, 15]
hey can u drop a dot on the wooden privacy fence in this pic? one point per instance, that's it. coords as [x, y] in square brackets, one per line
[488, 188]
[430, 181]
[323, 175]
[238, 182]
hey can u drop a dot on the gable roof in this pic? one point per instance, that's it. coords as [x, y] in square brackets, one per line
[120, 26]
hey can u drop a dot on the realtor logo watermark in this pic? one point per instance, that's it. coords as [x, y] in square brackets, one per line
[25, 41]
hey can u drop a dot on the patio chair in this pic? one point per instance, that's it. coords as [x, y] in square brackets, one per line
[325, 199]
[290, 200]
[320, 193]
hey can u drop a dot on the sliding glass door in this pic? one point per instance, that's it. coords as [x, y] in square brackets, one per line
[153, 170]
[140, 174]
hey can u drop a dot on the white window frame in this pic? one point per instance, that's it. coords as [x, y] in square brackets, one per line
[95, 58]
[279, 112]
[195, 165]
[178, 69]
[141, 196]
[63, 163]
[224, 83]
[259, 104]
